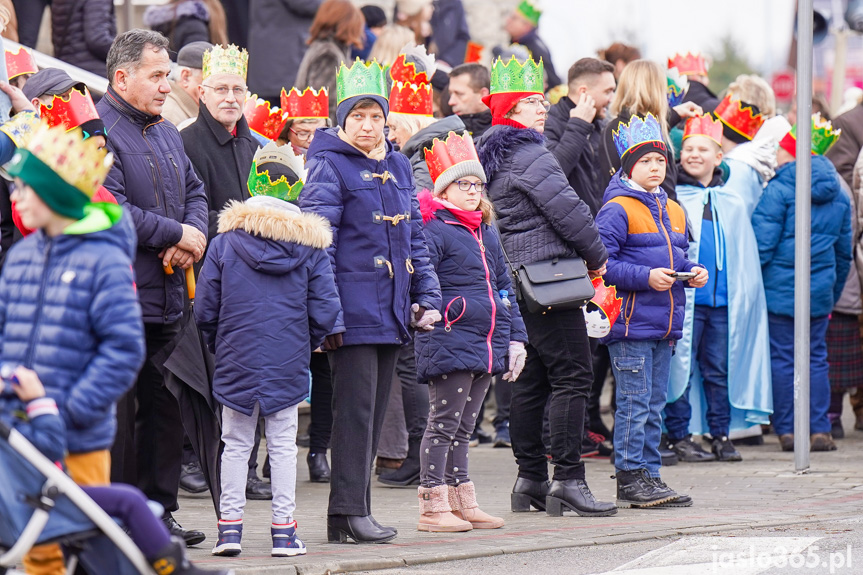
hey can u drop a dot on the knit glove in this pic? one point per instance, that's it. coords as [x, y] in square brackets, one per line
[517, 355]
[422, 318]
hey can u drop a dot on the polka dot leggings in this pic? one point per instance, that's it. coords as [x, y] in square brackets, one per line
[454, 402]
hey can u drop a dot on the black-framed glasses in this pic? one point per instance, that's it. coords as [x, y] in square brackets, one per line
[239, 93]
[465, 186]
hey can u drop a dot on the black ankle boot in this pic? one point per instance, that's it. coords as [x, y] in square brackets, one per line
[360, 528]
[575, 495]
[636, 489]
[408, 475]
[189, 536]
[681, 501]
[527, 493]
[319, 468]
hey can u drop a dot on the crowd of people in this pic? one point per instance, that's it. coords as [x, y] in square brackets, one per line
[376, 233]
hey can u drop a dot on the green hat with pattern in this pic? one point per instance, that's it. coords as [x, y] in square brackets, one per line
[529, 11]
[261, 184]
[361, 79]
[513, 76]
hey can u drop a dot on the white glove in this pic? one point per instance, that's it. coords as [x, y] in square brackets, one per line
[427, 320]
[517, 355]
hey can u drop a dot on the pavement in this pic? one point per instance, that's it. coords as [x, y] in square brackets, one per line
[761, 491]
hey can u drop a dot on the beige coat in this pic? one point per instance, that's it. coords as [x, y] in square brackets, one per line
[179, 106]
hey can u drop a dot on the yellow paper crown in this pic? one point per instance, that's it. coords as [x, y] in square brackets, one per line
[81, 163]
[230, 60]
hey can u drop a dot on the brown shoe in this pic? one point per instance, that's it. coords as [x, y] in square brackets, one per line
[786, 440]
[821, 442]
[462, 499]
[436, 514]
[386, 463]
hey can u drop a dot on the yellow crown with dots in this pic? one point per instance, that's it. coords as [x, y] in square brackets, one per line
[226, 60]
[79, 162]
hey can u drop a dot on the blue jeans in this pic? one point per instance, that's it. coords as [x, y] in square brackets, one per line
[641, 370]
[710, 350]
[782, 364]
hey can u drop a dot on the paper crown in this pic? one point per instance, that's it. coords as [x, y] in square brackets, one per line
[689, 63]
[473, 53]
[705, 125]
[530, 11]
[602, 311]
[512, 76]
[739, 116]
[260, 184]
[677, 86]
[637, 131]
[404, 69]
[411, 99]
[309, 104]
[230, 60]
[361, 79]
[21, 127]
[70, 112]
[823, 136]
[264, 120]
[20, 62]
[445, 154]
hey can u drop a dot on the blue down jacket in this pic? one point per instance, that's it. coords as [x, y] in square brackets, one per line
[266, 298]
[773, 221]
[478, 325]
[379, 253]
[641, 231]
[68, 311]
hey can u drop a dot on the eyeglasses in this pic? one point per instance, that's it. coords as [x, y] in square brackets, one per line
[545, 104]
[303, 136]
[238, 92]
[464, 186]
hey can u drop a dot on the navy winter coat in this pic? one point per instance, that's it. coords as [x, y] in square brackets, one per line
[68, 311]
[82, 32]
[644, 230]
[266, 298]
[153, 178]
[773, 221]
[477, 324]
[379, 253]
[539, 215]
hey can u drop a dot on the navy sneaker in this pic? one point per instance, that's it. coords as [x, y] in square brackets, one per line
[230, 535]
[285, 540]
[501, 436]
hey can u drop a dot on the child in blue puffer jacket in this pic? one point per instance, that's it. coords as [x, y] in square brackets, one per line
[645, 235]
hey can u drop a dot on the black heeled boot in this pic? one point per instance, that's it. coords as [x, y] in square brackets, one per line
[575, 495]
[527, 493]
[360, 528]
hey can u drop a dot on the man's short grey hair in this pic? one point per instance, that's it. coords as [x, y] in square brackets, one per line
[127, 51]
[177, 72]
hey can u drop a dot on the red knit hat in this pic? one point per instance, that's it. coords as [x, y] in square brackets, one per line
[500, 104]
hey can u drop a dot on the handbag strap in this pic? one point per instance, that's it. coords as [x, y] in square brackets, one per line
[503, 249]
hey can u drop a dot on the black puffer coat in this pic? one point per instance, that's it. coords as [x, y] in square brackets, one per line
[83, 31]
[539, 215]
[181, 23]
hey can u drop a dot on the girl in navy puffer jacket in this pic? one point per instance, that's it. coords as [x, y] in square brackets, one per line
[482, 325]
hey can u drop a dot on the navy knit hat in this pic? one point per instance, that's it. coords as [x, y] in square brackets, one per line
[345, 106]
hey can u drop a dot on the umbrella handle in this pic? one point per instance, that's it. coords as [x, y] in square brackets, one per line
[190, 281]
[169, 271]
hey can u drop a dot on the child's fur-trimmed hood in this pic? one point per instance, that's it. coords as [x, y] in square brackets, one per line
[281, 225]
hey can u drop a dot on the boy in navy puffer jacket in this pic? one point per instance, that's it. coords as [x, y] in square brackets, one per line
[645, 235]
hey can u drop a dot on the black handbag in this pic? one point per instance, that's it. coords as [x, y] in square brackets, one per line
[556, 284]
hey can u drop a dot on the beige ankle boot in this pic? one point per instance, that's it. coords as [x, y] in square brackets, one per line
[462, 499]
[435, 513]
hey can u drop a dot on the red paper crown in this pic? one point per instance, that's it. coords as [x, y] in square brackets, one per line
[705, 125]
[411, 99]
[445, 154]
[70, 112]
[264, 120]
[406, 72]
[602, 311]
[473, 53]
[688, 63]
[739, 116]
[309, 104]
[20, 62]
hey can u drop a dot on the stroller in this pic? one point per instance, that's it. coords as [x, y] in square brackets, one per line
[41, 504]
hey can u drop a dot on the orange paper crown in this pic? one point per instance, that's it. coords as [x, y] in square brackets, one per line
[705, 125]
[411, 99]
[444, 154]
[406, 72]
[602, 311]
[688, 63]
[739, 116]
[473, 53]
[309, 104]
[20, 62]
[264, 120]
[70, 112]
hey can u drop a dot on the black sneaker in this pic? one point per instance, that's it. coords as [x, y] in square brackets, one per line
[836, 430]
[681, 501]
[668, 456]
[636, 489]
[724, 450]
[595, 445]
[690, 452]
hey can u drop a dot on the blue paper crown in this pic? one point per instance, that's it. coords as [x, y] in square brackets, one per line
[636, 132]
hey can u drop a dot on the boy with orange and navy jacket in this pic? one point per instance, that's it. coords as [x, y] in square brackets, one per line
[645, 235]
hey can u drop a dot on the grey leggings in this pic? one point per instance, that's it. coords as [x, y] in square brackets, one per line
[454, 402]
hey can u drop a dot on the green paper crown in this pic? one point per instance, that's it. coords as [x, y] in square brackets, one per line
[823, 134]
[529, 11]
[260, 184]
[512, 76]
[360, 79]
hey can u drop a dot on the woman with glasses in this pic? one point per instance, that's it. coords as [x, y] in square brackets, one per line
[540, 218]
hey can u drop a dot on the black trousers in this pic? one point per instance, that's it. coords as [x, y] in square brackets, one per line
[148, 449]
[558, 365]
[29, 14]
[415, 396]
[601, 365]
[321, 426]
[362, 376]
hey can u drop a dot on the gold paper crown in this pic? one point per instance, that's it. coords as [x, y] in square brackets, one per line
[230, 60]
[81, 163]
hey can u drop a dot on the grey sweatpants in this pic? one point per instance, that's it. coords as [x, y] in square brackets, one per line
[454, 402]
[238, 433]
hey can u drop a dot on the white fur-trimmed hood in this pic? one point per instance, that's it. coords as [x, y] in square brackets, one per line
[306, 229]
